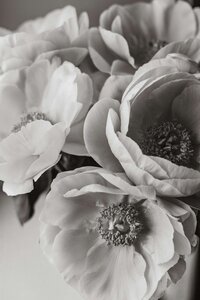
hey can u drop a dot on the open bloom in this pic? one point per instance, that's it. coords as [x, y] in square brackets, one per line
[130, 35]
[153, 135]
[112, 240]
[61, 33]
[42, 112]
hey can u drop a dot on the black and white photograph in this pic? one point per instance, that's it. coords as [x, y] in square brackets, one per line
[99, 149]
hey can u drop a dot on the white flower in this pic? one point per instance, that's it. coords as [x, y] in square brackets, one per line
[153, 134]
[112, 240]
[60, 33]
[42, 111]
[130, 35]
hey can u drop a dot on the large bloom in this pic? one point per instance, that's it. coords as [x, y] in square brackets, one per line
[61, 33]
[153, 135]
[43, 108]
[112, 240]
[130, 35]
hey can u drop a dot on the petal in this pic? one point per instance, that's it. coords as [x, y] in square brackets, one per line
[47, 237]
[12, 189]
[12, 102]
[120, 67]
[95, 135]
[73, 54]
[181, 243]
[116, 43]
[114, 273]
[158, 240]
[52, 20]
[60, 96]
[101, 56]
[115, 86]
[189, 48]
[183, 19]
[37, 77]
[70, 251]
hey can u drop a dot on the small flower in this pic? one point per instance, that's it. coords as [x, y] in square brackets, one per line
[112, 240]
[153, 135]
[61, 33]
[43, 108]
[130, 35]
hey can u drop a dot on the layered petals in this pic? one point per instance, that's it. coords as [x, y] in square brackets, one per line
[52, 95]
[133, 33]
[161, 91]
[73, 243]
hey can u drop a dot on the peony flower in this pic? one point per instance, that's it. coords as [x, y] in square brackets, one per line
[153, 135]
[43, 108]
[129, 35]
[61, 33]
[112, 240]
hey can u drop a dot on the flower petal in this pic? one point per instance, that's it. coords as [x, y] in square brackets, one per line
[95, 135]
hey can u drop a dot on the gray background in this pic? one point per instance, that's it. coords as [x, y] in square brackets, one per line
[14, 12]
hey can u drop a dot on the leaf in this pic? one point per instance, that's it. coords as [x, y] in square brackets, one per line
[25, 204]
[22, 208]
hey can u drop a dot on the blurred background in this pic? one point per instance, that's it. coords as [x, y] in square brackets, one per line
[14, 12]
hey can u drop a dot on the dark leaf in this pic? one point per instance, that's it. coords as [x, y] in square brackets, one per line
[25, 204]
[22, 208]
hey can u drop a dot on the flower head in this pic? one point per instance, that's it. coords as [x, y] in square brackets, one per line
[43, 108]
[113, 240]
[153, 135]
[61, 33]
[130, 35]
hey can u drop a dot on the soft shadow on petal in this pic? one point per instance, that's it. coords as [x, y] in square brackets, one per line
[12, 102]
[115, 86]
[70, 251]
[117, 44]
[111, 272]
[95, 134]
[158, 240]
[101, 56]
[182, 19]
[37, 77]
[186, 109]
[190, 48]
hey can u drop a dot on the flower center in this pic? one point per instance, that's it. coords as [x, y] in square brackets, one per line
[169, 140]
[146, 52]
[28, 118]
[120, 224]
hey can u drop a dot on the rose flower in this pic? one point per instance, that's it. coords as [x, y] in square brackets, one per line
[43, 108]
[112, 240]
[130, 35]
[153, 134]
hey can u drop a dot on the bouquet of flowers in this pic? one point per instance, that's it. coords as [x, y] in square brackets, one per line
[105, 121]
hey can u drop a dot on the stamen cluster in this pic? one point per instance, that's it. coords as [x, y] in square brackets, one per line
[120, 224]
[169, 140]
[28, 118]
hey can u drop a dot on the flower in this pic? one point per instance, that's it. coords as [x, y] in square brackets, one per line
[130, 35]
[57, 18]
[43, 108]
[61, 33]
[112, 240]
[153, 135]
